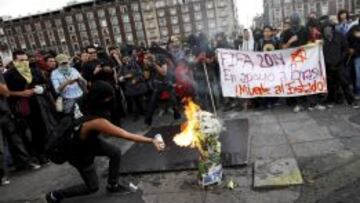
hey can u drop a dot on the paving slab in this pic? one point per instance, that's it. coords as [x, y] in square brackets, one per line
[268, 196]
[276, 173]
[271, 152]
[304, 131]
[189, 197]
[317, 148]
[224, 197]
[267, 134]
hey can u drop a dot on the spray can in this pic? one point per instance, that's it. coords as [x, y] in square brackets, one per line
[159, 138]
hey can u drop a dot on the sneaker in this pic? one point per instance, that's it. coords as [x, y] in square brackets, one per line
[119, 189]
[320, 107]
[34, 166]
[297, 109]
[355, 105]
[51, 199]
[4, 181]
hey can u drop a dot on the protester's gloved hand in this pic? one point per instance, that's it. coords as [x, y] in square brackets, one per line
[160, 146]
[39, 89]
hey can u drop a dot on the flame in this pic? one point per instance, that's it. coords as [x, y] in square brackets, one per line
[189, 130]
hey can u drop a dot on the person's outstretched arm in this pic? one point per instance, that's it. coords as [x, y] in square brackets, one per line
[106, 127]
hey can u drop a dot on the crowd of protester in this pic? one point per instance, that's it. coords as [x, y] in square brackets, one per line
[37, 90]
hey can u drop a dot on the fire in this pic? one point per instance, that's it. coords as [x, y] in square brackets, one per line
[190, 129]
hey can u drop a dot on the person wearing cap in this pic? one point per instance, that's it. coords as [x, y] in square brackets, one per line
[67, 83]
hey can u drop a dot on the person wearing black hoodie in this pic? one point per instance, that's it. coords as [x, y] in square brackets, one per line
[88, 143]
[335, 52]
[354, 45]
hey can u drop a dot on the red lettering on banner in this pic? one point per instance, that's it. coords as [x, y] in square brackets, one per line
[242, 90]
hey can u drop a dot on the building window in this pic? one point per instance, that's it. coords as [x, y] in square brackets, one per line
[103, 23]
[112, 11]
[38, 26]
[76, 47]
[90, 15]
[209, 5]
[85, 43]
[187, 27]
[174, 20]
[58, 22]
[140, 35]
[137, 16]
[212, 25]
[82, 27]
[161, 13]
[160, 3]
[210, 14]
[123, 9]
[48, 24]
[222, 4]
[164, 32]
[101, 13]
[107, 41]
[135, 7]
[199, 26]
[79, 17]
[127, 27]
[126, 18]
[31, 38]
[94, 34]
[116, 29]
[118, 39]
[129, 37]
[71, 28]
[173, 11]
[176, 29]
[162, 22]
[198, 16]
[84, 36]
[138, 26]
[92, 25]
[186, 18]
[18, 30]
[185, 9]
[73, 38]
[61, 34]
[197, 7]
[105, 32]
[148, 6]
[69, 19]
[114, 20]
[9, 31]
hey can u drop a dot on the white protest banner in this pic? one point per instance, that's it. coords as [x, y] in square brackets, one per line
[284, 73]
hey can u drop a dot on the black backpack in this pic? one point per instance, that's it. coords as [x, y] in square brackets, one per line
[58, 147]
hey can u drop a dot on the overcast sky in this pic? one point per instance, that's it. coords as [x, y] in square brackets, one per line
[247, 8]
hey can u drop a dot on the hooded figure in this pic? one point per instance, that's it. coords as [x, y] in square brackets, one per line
[100, 99]
[297, 35]
[248, 41]
[295, 22]
[335, 54]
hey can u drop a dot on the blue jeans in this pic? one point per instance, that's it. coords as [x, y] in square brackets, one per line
[357, 72]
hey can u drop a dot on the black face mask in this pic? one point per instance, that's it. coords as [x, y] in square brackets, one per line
[103, 109]
[100, 100]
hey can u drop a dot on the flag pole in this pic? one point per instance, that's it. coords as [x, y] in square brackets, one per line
[210, 89]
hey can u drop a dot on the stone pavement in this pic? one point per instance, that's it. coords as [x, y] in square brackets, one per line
[325, 144]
